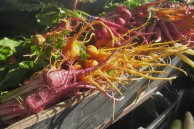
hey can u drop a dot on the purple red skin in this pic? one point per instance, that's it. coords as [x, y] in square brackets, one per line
[141, 15]
[161, 23]
[131, 24]
[73, 24]
[38, 100]
[139, 21]
[113, 12]
[103, 34]
[158, 34]
[52, 92]
[146, 6]
[150, 31]
[174, 30]
[12, 107]
[115, 32]
[12, 116]
[112, 17]
[117, 29]
[13, 103]
[11, 110]
[59, 82]
[120, 21]
[111, 24]
[121, 11]
[126, 14]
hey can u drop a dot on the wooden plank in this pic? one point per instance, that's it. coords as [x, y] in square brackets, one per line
[95, 111]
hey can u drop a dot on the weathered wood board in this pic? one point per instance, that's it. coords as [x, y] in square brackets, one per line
[95, 111]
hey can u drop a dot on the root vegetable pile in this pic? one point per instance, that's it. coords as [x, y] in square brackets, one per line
[113, 49]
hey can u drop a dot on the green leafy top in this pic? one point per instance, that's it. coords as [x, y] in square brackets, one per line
[8, 47]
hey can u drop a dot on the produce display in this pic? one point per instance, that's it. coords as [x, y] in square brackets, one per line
[78, 52]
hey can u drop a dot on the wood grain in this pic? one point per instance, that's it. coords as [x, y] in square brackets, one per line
[96, 111]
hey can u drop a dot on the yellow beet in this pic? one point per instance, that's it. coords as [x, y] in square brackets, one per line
[77, 67]
[92, 51]
[90, 63]
[71, 51]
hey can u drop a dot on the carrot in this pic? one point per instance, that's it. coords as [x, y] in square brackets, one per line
[90, 63]
[102, 43]
[72, 49]
[92, 50]
[77, 67]
[96, 54]
[106, 66]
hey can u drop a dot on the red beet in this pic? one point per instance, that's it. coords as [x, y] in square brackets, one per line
[158, 34]
[116, 26]
[146, 6]
[12, 107]
[120, 21]
[38, 100]
[126, 14]
[174, 30]
[161, 23]
[150, 31]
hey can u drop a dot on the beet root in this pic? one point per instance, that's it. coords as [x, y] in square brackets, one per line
[38, 100]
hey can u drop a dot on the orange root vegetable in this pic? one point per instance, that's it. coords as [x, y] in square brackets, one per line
[77, 67]
[92, 50]
[180, 17]
[102, 43]
[136, 62]
[97, 54]
[116, 60]
[90, 63]
[71, 50]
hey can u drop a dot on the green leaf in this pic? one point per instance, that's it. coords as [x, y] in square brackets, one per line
[111, 72]
[49, 15]
[13, 78]
[27, 64]
[8, 47]
[2, 57]
[12, 44]
[83, 53]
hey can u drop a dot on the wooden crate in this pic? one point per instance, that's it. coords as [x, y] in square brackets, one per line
[96, 110]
